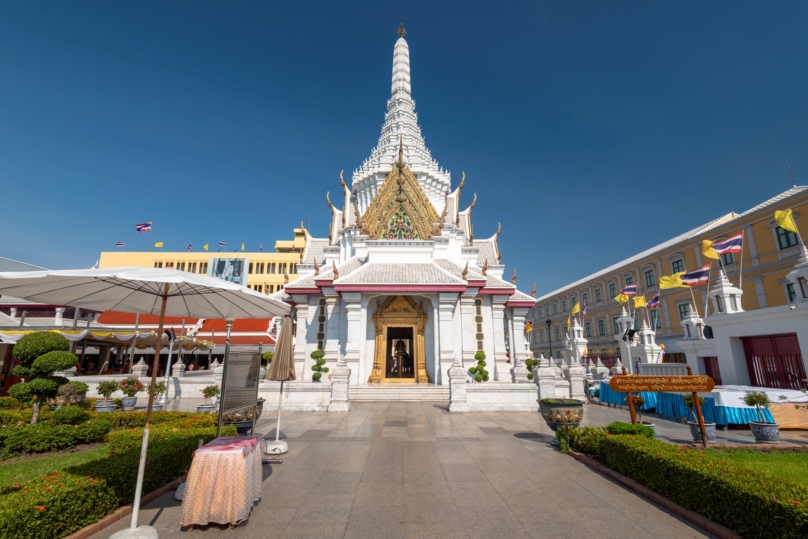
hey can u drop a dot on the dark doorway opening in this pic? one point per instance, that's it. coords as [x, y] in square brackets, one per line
[400, 354]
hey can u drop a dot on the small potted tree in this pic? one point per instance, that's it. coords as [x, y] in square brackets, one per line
[763, 431]
[159, 389]
[210, 392]
[695, 429]
[40, 355]
[131, 387]
[106, 389]
[639, 402]
[319, 365]
[478, 372]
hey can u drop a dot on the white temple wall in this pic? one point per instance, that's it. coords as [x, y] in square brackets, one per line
[311, 337]
[488, 338]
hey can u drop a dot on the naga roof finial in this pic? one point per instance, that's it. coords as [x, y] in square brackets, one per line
[401, 30]
[533, 292]
[485, 267]
[341, 181]
[465, 274]
[499, 229]
[334, 269]
[328, 200]
[316, 268]
[285, 278]
[473, 201]
[513, 277]
[462, 181]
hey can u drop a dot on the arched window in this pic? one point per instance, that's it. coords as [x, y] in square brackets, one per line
[321, 324]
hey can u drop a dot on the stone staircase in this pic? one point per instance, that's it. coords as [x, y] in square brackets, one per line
[399, 392]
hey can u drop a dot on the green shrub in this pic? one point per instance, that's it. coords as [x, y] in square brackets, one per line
[52, 506]
[130, 420]
[478, 372]
[69, 415]
[170, 453]
[81, 387]
[106, 389]
[11, 418]
[318, 367]
[40, 354]
[46, 437]
[7, 403]
[591, 441]
[266, 357]
[567, 436]
[618, 427]
[752, 504]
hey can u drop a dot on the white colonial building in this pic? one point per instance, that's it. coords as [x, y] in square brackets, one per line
[401, 291]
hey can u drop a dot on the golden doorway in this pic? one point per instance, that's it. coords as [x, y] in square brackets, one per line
[400, 354]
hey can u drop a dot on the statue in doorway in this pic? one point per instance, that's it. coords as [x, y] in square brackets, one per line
[400, 356]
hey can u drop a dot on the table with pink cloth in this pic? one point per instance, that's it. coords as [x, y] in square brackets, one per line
[224, 482]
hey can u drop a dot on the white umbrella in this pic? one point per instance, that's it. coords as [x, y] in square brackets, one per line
[145, 291]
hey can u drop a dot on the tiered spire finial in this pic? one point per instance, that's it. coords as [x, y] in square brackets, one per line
[401, 30]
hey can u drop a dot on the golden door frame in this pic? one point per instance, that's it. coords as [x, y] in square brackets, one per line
[399, 312]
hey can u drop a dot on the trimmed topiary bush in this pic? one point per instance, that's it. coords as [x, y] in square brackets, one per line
[40, 353]
[106, 389]
[318, 367]
[69, 415]
[618, 427]
[478, 372]
[45, 437]
[751, 503]
[54, 505]
[531, 364]
[266, 357]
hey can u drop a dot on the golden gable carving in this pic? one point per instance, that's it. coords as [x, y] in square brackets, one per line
[400, 210]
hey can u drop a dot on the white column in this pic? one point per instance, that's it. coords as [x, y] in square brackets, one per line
[501, 369]
[302, 312]
[450, 356]
[332, 314]
[518, 352]
[354, 334]
[468, 327]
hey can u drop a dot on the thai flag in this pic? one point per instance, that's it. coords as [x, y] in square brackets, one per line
[697, 276]
[630, 290]
[653, 303]
[143, 227]
[260, 248]
[120, 244]
[189, 246]
[729, 245]
[221, 244]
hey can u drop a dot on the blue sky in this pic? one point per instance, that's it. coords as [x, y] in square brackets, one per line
[591, 130]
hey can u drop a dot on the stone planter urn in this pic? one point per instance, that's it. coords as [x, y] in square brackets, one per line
[765, 433]
[101, 407]
[206, 409]
[695, 431]
[560, 412]
[128, 404]
[259, 409]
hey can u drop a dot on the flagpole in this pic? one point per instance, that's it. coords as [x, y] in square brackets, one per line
[740, 277]
[151, 224]
[695, 304]
[707, 295]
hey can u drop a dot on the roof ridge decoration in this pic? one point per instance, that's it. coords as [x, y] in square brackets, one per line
[400, 210]
[485, 268]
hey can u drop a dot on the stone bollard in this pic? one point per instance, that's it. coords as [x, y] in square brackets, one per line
[618, 367]
[140, 369]
[340, 380]
[545, 379]
[577, 373]
[457, 389]
[179, 369]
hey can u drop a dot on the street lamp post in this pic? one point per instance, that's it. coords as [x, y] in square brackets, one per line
[549, 339]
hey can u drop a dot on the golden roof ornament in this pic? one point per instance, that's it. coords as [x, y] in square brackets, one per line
[285, 278]
[533, 292]
[316, 268]
[473, 201]
[401, 30]
[499, 255]
[341, 181]
[485, 267]
[334, 269]
[499, 229]
[328, 201]
[465, 274]
[513, 277]
[457, 200]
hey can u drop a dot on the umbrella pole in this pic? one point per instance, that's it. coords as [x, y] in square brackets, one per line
[141, 469]
[280, 401]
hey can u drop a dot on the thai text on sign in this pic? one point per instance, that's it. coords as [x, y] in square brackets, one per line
[681, 384]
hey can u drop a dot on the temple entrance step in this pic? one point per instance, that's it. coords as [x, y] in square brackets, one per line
[399, 392]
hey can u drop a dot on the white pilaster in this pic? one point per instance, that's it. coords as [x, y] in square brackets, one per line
[518, 354]
[501, 369]
[302, 314]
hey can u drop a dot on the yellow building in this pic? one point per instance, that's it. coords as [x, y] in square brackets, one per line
[263, 272]
[769, 253]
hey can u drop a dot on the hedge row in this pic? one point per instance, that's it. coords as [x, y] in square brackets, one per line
[44, 437]
[753, 504]
[60, 503]
[130, 420]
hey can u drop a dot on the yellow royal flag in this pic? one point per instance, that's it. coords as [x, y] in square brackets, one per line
[621, 298]
[785, 220]
[205, 247]
[242, 246]
[708, 251]
[671, 281]
[158, 244]
[569, 322]
[528, 326]
[639, 301]
[576, 309]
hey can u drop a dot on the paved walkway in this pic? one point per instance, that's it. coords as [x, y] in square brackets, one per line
[414, 470]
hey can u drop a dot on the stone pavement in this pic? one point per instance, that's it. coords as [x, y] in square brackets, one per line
[398, 470]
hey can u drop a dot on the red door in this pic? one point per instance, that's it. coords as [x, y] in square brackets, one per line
[775, 361]
[711, 369]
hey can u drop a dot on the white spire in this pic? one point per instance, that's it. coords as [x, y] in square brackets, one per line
[401, 121]
[401, 67]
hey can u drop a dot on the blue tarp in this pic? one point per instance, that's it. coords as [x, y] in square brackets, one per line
[673, 405]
